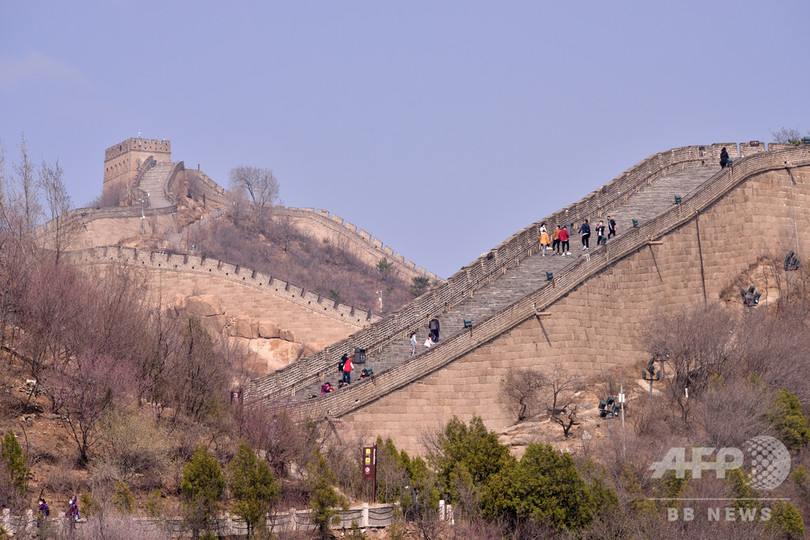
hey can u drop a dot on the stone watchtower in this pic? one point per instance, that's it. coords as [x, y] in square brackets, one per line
[122, 161]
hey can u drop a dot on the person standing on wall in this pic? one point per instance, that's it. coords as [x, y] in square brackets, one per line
[544, 240]
[723, 158]
[600, 233]
[413, 343]
[566, 246]
[555, 241]
[347, 370]
[585, 231]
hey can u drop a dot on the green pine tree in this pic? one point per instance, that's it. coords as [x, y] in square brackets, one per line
[253, 487]
[16, 463]
[202, 487]
[323, 498]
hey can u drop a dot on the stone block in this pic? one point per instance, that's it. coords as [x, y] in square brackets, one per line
[286, 335]
[242, 327]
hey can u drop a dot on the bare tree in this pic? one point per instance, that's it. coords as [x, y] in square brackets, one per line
[521, 389]
[27, 189]
[260, 184]
[87, 387]
[562, 391]
[58, 204]
[787, 135]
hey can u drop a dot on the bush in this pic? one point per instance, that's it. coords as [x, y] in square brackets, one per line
[156, 504]
[786, 415]
[786, 521]
[544, 487]
[122, 498]
[138, 458]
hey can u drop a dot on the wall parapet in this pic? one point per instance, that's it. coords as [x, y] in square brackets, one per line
[486, 268]
[86, 215]
[137, 144]
[565, 281]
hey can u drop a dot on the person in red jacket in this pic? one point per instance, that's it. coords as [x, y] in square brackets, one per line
[566, 247]
[347, 370]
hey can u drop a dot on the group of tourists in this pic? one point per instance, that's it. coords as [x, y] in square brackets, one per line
[44, 511]
[559, 242]
[345, 367]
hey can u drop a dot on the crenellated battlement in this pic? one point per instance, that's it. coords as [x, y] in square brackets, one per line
[152, 146]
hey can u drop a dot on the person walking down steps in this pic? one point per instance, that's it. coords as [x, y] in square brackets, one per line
[433, 326]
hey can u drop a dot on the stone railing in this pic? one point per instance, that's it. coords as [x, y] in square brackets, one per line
[376, 517]
[167, 186]
[482, 271]
[364, 392]
[213, 267]
[146, 166]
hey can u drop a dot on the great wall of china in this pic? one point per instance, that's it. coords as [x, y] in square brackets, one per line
[589, 317]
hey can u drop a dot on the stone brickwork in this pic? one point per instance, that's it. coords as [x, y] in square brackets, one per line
[600, 308]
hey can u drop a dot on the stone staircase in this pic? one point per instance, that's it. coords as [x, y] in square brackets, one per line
[154, 181]
[648, 202]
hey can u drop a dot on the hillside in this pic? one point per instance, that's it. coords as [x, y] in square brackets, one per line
[530, 345]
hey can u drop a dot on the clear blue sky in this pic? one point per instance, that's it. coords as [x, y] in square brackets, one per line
[440, 127]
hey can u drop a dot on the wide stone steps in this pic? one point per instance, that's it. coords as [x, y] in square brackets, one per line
[648, 202]
[154, 181]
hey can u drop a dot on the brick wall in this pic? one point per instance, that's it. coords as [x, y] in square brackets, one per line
[312, 319]
[599, 309]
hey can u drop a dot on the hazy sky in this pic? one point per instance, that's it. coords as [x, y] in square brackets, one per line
[439, 127]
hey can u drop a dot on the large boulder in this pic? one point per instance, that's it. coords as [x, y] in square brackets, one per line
[204, 305]
[275, 353]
